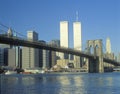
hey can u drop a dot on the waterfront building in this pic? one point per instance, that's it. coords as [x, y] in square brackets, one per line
[57, 44]
[4, 50]
[77, 39]
[64, 38]
[18, 55]
[1, 57]
[30, 56]
[43, 57]
[14, 57]
[63, 63]
[4, 54]
[11, 57]
[53, 56]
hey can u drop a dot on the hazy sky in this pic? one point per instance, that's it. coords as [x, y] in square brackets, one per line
[100, 18]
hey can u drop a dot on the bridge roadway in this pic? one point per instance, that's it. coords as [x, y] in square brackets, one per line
[36, 44]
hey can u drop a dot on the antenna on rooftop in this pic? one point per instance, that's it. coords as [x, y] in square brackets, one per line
[76, 16]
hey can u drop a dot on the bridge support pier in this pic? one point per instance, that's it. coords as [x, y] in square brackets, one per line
[100, 65]
[96, 65]
[92, 66]
[87, 64]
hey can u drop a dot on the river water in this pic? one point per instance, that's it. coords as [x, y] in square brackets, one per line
[61, 83]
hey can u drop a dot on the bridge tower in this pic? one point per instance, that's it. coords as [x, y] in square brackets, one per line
[10, 32]
[95, 64]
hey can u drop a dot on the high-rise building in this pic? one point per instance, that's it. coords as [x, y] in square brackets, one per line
[77, 39]
[43, 57]
[108, 46]
[57, 44]
[30, 56]
[12, 57]
[53, 55]
[64, 37]
[18, 55]
[77, 36]
[109, 53]
[1, 57]
[4, 54]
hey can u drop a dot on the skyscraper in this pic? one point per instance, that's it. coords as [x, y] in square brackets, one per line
[53, 55]
[109, 53]
[108, 46]
[77, 39]
[4, 54]
[77, 36]
[64, 37]
[12, 57]
[1, 56]
[30, 56]
[43, 57]
[56, 43]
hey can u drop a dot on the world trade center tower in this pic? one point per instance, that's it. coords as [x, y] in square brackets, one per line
[77, 42]
[64, 38]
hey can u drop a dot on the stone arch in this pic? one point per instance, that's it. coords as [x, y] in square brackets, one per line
[96, 64]
[90, 45]
[96, 45]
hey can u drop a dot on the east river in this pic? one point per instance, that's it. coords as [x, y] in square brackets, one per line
[61, 83]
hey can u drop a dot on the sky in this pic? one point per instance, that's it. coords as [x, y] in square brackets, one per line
[99, 18]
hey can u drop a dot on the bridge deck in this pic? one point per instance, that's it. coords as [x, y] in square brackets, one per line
[36, 44]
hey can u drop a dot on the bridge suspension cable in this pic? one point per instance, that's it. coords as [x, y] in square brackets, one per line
[4, 26]
[20, 34]
[1, 30]
[14, 31]
[104, 48]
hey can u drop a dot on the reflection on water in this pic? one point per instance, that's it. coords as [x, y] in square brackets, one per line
[61, 83]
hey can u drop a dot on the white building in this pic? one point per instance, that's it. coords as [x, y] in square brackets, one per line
[64, 37]
[108, 46]
[12, 57]
[30, 56]
[77, 36]
[45, 54]
[77, 39]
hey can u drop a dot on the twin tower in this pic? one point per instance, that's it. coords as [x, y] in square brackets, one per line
[64, 36]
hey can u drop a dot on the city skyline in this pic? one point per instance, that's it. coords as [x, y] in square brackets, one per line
[44, 17]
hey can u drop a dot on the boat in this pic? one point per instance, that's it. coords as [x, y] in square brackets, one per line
[33, 71]
[8, 72]
[116, 69]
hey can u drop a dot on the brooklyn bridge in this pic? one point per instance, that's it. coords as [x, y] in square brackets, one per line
[95, 60]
